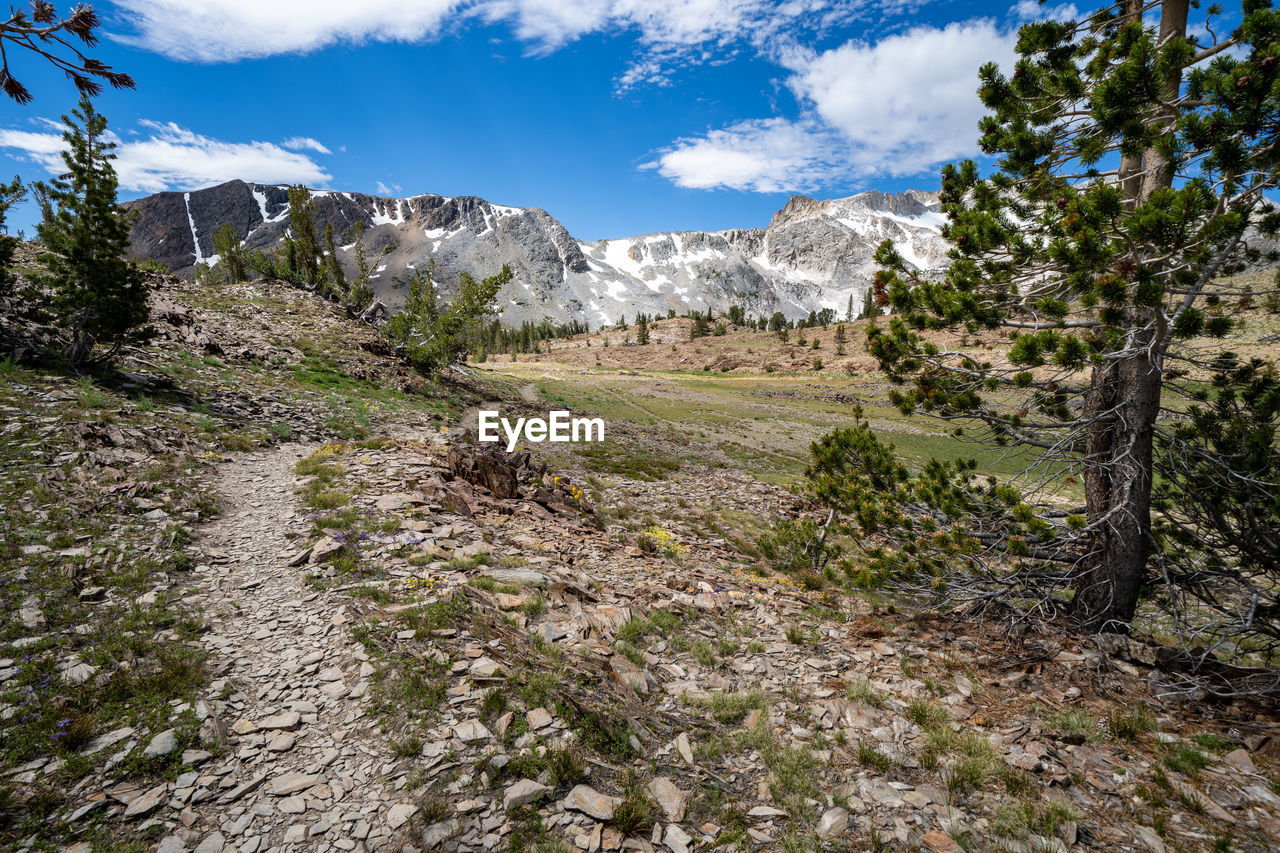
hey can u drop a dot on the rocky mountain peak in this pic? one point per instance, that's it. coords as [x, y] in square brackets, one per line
[814, 254]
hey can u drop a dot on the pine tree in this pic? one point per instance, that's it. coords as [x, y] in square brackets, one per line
[233, 262]
[362, 284]
[303, 254]
[420, 307]
[357, 294]
[1132, 160]
[333, 265]
[431, 338]
[848, 312]
[700, 328]
[10, 194]
[642, 330]
[869, 307]
[98, 296]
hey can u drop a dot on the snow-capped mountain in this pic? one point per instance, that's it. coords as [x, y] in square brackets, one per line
[813, 254]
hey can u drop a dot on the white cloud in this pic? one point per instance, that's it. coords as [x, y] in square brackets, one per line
[222, 30]
[167, 156]
[898, 107]
[305, 143]
[385, 190]
[670, 31]
[1034, 10]
[43, 148]
[769, 155]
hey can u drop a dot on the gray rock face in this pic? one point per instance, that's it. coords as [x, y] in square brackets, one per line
[813, 254]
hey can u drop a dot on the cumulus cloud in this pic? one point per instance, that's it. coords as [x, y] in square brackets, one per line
[222, 30]
[768, 155]
[671, 32]
[166, 156]
[1033, 10]
[305, 143]
[897, 107]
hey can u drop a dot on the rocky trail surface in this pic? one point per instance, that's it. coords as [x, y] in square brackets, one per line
[298, 765]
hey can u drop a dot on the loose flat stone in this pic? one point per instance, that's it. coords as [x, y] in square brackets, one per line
[399, 814]
[282, 742]
[766, 811]
[292, 805]
[522, 793]
[145, 804]
[244, 727]
[683, 747]
[471, 731]
[291, 783]
[101, 742]
[243, 788]
[93, 593]
[171, 844]
[939, 842]
[335, 690]
[676, 839]
[1240, 760]
[212, 843]
[485, 667]
[162, 744]
[539, 718]
[323, 550]
[527, 577]
[78, 673]
[670, 798]
[585, 799]
[438, 833]
[285, 720]
[834, 823]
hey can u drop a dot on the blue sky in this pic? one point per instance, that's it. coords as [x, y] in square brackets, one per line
[619, 117]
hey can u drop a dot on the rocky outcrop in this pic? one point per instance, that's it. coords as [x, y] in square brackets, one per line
[813, 255]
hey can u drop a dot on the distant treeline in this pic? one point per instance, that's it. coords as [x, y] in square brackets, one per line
[493, 337]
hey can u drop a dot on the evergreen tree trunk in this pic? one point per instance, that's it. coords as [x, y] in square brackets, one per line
[1122, 404]
[1131, 164]
[1157, 171]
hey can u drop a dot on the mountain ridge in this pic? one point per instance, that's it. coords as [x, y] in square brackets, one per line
[813, 253]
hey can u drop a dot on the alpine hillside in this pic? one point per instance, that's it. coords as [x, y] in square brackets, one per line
[812, 255]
